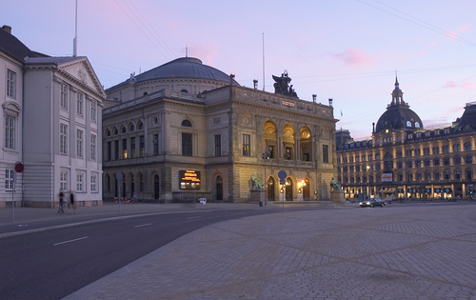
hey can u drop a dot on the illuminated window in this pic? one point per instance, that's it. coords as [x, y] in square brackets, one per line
[246, 145]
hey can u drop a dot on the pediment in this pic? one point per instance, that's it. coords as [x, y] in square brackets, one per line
[82, 71]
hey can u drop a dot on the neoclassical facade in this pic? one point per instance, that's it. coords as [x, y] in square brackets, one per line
[52, 124]
[191, 131]
[406, 160]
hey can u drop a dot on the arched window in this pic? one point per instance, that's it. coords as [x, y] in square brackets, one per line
[446, 175]
[184, 91]
[123, 129]
[108, 132]
[409, 124]
[467, 147]
[140, 126]
[186, 123]
[116, 132]
[417, 125]
[131, 127]
[457, 174]
[436, 175]
[469, 174]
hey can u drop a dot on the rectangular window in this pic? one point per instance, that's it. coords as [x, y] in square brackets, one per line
[116, 150]
[9, 132]
[217, 145]
[64, 181]
[79, 182]
[133, 147]
[64, 96]
[11, 84]
[156, 144]
[63, 139]
[93, 183]
[325, 153]
[93, 147]
[109, 151]
[93, 110]
[79, 143]
[9, 180]
[141, 146]
[124, 148]
[79, 104]
[187, 144]
[246, 145]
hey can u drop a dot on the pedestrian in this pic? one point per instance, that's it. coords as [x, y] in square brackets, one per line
[61, 200]
[72, 203]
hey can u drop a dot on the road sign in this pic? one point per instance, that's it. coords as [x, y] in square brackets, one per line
[282, 175]
[19, 167]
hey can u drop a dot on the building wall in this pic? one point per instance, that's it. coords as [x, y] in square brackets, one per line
[12, 107]
[417, 148]
[230, 113]
[43, 160]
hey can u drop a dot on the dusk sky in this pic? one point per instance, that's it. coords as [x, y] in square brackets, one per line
[348, 50]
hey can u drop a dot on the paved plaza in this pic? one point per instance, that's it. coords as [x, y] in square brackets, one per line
[424, 251]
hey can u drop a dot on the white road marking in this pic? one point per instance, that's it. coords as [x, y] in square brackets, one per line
[138, 226]
[70, 241]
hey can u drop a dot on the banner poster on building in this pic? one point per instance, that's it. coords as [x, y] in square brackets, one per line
[189, 180]
[387, 177]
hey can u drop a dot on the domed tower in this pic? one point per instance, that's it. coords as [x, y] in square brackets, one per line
[398, 116]
[187, 75]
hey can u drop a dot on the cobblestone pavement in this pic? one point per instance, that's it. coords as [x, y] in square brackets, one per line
[396, 252]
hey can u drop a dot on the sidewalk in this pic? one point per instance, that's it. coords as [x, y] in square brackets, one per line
[403, 252]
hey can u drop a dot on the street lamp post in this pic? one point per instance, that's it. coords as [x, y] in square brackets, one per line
[368, 181]
[266, 156]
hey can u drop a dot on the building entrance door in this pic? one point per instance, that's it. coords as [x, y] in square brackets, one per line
[156, 187]
[219, 188]
[289, 189]
[270, 189]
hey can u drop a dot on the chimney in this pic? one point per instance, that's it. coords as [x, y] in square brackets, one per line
[7, 28]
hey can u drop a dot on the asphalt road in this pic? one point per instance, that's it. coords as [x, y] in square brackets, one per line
[53, 264]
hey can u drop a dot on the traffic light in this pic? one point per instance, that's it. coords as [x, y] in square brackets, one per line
[471, 191]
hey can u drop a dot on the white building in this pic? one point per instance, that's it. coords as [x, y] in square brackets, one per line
[52, 123]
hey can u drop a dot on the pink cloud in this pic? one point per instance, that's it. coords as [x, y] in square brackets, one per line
[353, 57]
[451, 35]
[468, 85]
[205, 51]
[464, 27]
[434, 44]
[450, 85]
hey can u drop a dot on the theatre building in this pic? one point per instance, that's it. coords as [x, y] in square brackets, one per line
[185, 130]
[405, 160]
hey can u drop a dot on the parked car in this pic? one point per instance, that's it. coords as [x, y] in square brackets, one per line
[372, 203]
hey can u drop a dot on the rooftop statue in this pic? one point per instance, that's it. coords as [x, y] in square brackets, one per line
[281, 86]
